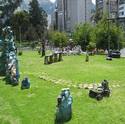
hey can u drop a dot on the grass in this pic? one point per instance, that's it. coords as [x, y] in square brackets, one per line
[37, 105]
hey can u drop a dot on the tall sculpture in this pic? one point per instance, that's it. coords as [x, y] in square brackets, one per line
[8, 59]
[64, 107]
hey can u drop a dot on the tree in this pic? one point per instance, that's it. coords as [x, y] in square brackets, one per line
[38, 19]
[20, 23]
[112, 37]
[83, 35]
[31, 34]
[98, 16]
[59, 39]
[91, 46]
[8, 7]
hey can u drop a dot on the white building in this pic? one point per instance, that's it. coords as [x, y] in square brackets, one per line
[122, 8]
[122, 13]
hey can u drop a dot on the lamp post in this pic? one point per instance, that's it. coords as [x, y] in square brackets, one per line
[85, 11]
[117, 16]
[20, 38]
[108, 25]
[117, 21]
[85, 24]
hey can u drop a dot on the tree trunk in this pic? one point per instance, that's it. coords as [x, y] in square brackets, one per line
[43, 48]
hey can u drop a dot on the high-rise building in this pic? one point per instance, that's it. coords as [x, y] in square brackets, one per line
[107, 6]
[122, 8]
[72, 13]
[115, 9]
[122, 13]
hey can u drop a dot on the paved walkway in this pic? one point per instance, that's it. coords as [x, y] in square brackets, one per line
[68, 83]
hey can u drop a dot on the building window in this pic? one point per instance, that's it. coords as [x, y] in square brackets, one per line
[121, 8]
[121, 13]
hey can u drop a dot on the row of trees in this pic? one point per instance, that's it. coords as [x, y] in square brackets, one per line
[7, 7]
[104, 35]
[27, 25]
[30, 25]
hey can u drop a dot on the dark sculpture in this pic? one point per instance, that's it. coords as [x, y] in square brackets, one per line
[100, 92]
[87, 57]
[25, 83]
[8, 59]
[52, 58]
[64, 107]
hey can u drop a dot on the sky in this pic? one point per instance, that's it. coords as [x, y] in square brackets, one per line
[93, 1]
[55, 0]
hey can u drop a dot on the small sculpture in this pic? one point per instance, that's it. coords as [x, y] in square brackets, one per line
[109, 56]
[64, 107]
[25, 83]
[87, 57]
[100, 92]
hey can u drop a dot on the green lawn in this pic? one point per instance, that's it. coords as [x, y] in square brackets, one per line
[37, 105]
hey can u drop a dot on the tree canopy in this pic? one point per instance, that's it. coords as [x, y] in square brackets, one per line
[7, 8]
[103, 35]
[38, 18]
[59, 39]
[20, 22]
[32, 24]
[83, 34]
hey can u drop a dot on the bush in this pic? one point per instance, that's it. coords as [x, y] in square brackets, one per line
[20, 53]
[83, 34]
[91, 46]
[59, 39]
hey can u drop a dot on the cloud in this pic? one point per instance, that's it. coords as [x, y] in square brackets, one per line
[52, 1]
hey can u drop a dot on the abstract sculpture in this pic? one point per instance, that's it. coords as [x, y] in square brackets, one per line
[8, 59]
[25, 83]
[101, 91]
[64, 107]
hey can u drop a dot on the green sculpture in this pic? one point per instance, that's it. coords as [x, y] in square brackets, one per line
[8, 59]
[64, 107]
[87, 57]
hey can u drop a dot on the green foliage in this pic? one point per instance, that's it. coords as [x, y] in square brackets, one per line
[33, 45]
[91, 46]
[104, 35]
[7, 7]
[59, 39]
[20, 53]
[31, 34]
[32, 25]
[83, 34]
[98, 16]
[38, 18]
[20, 22]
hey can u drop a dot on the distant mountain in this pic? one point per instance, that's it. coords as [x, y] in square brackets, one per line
[45, 4]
